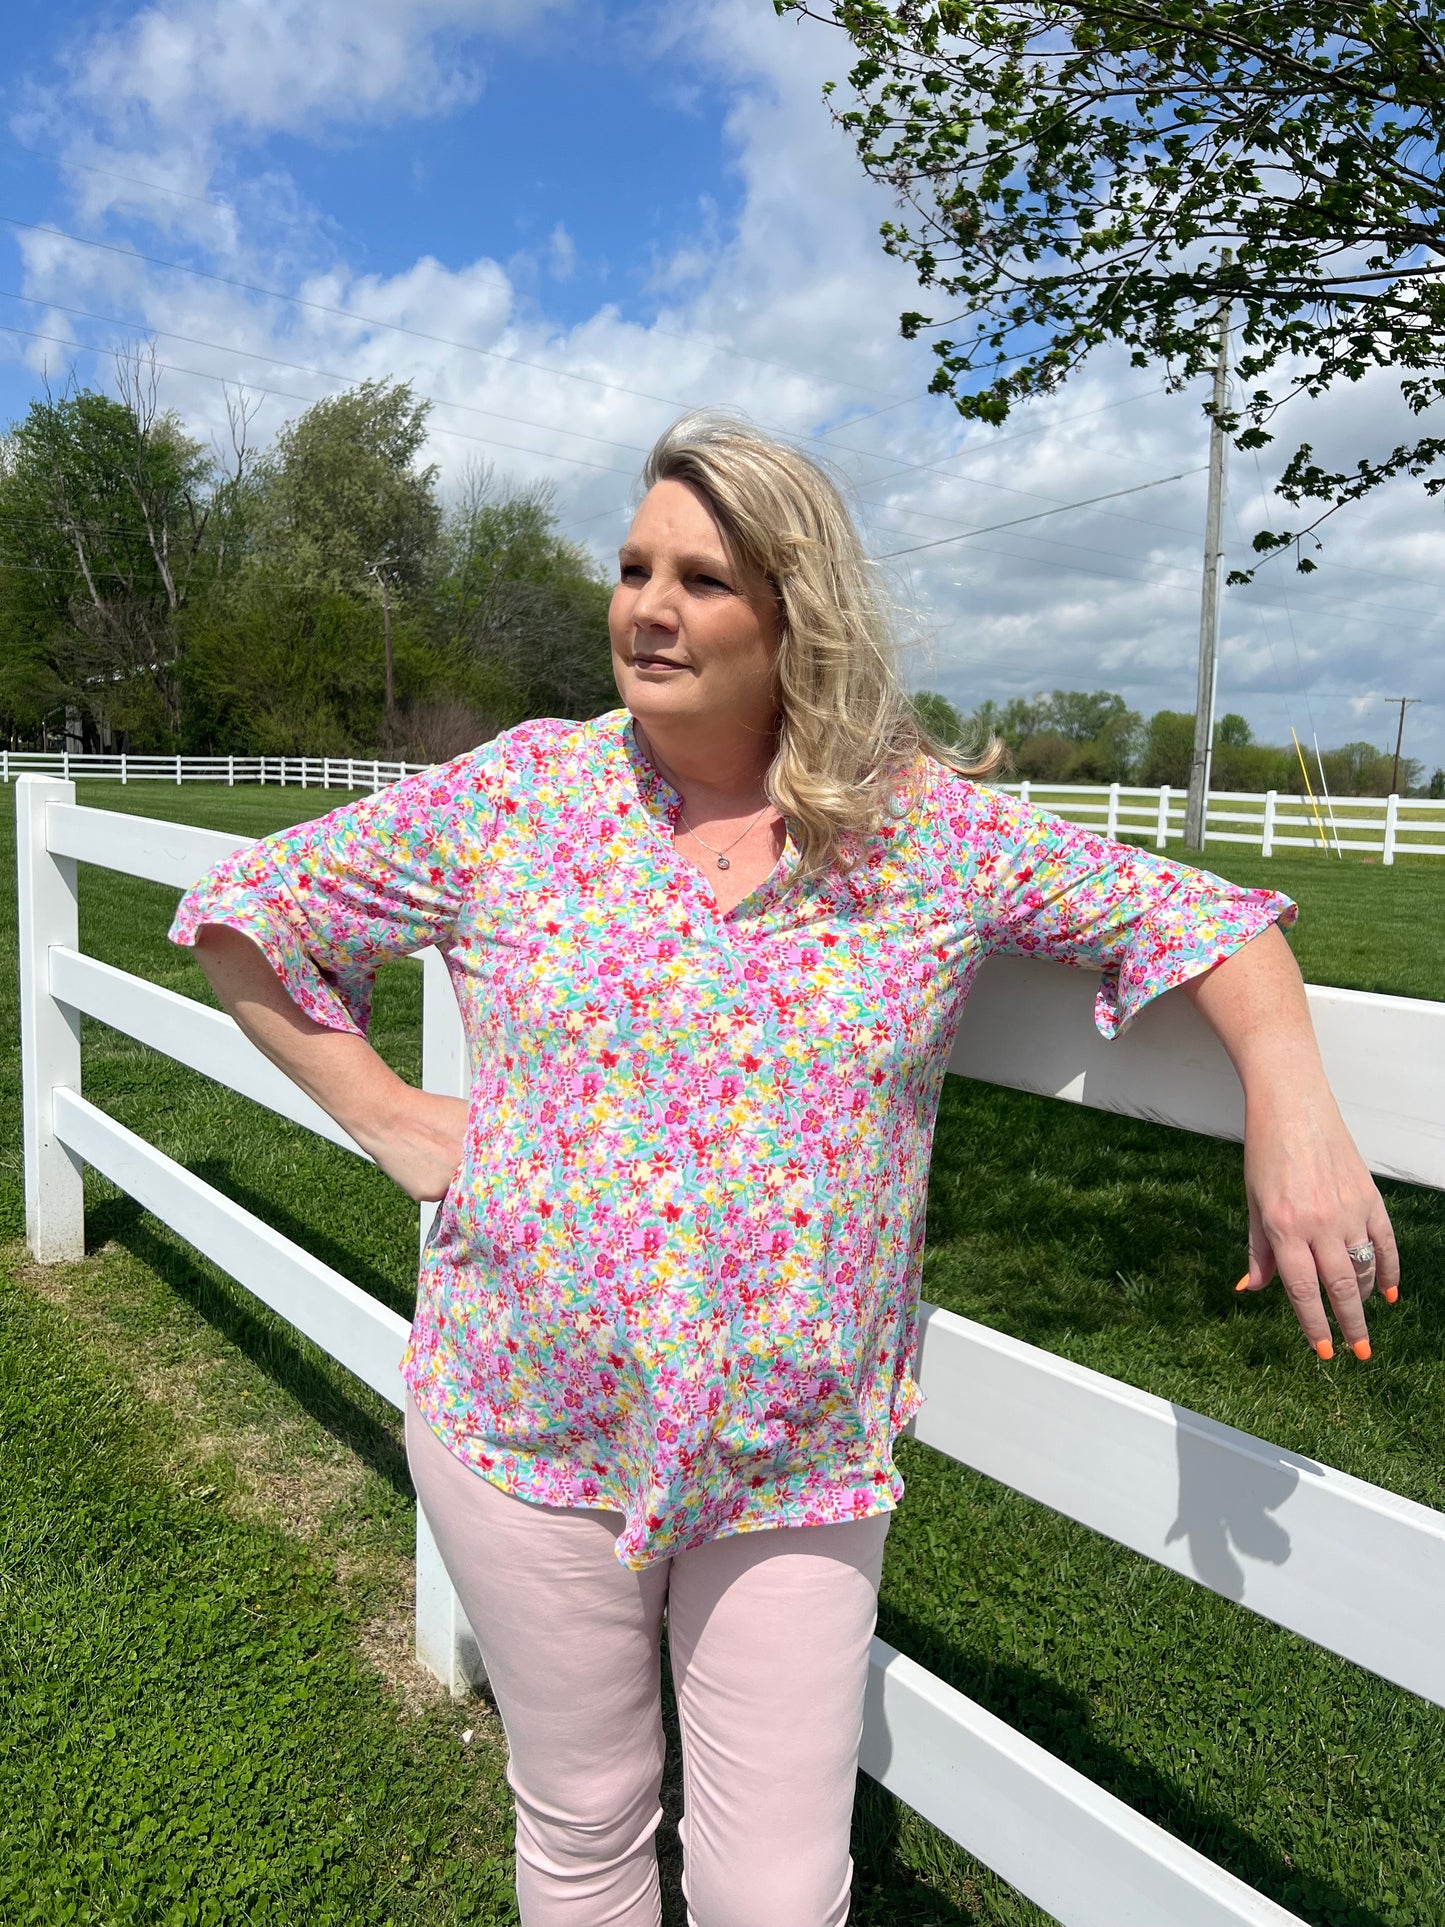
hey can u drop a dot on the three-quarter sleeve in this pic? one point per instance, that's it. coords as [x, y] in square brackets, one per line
[1042, 887]
[331, 900]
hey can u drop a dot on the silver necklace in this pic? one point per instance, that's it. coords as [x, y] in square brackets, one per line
[722, 860]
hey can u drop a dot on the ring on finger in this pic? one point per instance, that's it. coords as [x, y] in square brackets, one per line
[1362, 1254]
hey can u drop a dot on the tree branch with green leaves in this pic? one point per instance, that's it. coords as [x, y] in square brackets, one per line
[1074, 175]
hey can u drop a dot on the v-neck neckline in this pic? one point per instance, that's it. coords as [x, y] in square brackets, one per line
[663, 805]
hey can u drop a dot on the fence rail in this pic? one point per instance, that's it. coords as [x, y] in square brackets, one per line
[1374, 825]
[1294, 1541]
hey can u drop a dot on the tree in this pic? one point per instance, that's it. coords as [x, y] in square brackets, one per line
[1168, 749]
[939, 717]
[512, 594]
[1081, 173]
[105, 530]
[348, 509]
[1359, 769]
[1231, 731]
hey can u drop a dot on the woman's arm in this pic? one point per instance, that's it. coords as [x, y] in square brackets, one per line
[1310, 1195]
[416, 1137]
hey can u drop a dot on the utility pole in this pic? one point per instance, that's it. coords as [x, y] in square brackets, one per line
[1203, 756]
[1404, 702]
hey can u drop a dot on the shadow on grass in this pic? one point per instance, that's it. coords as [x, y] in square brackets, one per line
[1055, 1221]
[312, 1237]
[320, 1389]
[1062, 1722]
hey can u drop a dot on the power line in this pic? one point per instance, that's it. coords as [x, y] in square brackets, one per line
[287, 394]
[545, 454]
[897, 462]
[991, 527]
[344, 314]
[673, 334]
[305, 368]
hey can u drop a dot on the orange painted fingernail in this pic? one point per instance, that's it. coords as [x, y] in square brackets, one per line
[1361, 1348]
[1325, 1348]
[1392, 1292]
[1243, 1284]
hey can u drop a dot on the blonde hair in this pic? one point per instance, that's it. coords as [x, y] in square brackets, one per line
[848, 735]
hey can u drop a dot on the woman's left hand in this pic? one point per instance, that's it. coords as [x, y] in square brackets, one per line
[1310, 1200]
[1310, 1196]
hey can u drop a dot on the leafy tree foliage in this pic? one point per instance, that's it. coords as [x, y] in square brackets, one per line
[318, 599]
[104, 526]
[1079, 736]
[1068, 736]
[513, 595]
[939, 717]
[1099, 171]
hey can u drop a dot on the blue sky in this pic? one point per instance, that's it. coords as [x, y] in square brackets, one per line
[602, 212]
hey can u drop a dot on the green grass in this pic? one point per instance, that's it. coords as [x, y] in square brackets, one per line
[208, 1522]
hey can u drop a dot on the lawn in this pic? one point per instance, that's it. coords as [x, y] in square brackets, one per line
[208, 1524]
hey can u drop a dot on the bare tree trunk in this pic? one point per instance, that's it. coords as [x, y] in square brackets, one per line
[389, 730]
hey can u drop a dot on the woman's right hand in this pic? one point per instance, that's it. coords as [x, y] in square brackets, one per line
[418, 1141]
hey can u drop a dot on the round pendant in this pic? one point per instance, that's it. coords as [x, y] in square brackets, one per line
[723, 864]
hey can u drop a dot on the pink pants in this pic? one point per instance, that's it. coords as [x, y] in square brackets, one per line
[768, 1634]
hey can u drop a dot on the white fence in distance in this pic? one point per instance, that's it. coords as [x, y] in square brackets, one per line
[1383, 825]
[1386, 826]
[1291, 1539]
[294, 772]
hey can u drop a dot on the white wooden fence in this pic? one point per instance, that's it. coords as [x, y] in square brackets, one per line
[1276, 820]
[298, 772]
[1273, 821]
[1353, 1567]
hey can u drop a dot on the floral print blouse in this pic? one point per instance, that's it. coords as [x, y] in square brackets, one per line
[677, 1272]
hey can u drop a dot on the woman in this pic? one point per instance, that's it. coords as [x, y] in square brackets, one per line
[711, 950]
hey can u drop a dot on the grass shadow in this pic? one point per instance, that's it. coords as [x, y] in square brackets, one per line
[1062, 1722]
[319, 1386]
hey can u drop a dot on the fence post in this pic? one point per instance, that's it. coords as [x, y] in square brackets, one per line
[230, 772]
[1161, 826]
[375, 778]
[1024, 790]
[178, 772]
[49, 1034]
[445, 1643]
[1111, 827]
[1266, 841]
[1392, 823]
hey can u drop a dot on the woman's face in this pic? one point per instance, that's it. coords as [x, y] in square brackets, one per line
[694, 640]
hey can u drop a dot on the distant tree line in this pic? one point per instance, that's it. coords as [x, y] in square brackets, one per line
[1078, 736]
[318, 596]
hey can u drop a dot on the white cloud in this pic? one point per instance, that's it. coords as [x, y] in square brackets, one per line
[266, 64]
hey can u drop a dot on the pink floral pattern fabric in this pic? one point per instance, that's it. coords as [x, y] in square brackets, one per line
[677, 1272]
